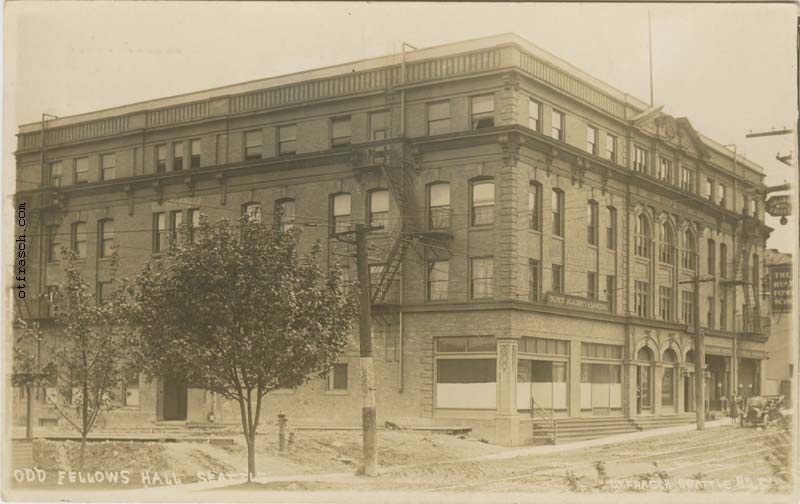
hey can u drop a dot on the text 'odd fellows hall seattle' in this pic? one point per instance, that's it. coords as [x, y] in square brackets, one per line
[539, 227]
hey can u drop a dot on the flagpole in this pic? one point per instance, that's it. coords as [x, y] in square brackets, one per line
[650, 43]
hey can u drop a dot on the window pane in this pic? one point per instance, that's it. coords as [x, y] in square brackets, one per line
[439, 195]
[339, 377]
[439, 110]
[481, 344]
[482, 104]
[456, 344]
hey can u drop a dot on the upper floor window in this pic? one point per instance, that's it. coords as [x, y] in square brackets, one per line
[687, 307]
[482, 276]
[689, 250]
[438, 278]
[641, 299]
[534, 115]
[754, 207]
[722, 194]
[378, 125]
[161, 158]
[81, 170]
[558, 279]
[687, 179]
[482, 110]
[341, 131]
[287, 139]
[55, 174]
[667, 251]
[108, 164]
[591, 285]
[639, 159]
[340, 212]
[194, 153]
[439, 206]
[194, 223]
[642, 236]
[177, 156]
[535, 206]
[252, 211]
[591, 140]
[439, 118]
[592, 217]
[557, 125]
[175, 223]
[52, 243]
[664, 169]
[755, 277]
[252, 144]
[378, 207]
[723, 260]
[611, 229]
[105, 237]
[711, 256]
[709, 194]
[159, 232]
[534, 280]
[557, 205]
[78, 238]
[285, 213]
[665, 303]
[482, 202]
[611, 148]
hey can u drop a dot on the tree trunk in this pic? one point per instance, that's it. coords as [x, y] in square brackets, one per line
[82, 455]
[251, 457]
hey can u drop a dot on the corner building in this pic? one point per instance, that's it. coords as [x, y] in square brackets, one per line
[538, 228]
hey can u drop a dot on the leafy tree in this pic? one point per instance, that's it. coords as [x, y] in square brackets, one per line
[86, 353]
[239, 312]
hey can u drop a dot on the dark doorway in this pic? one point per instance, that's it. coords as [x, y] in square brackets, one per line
[175, 402]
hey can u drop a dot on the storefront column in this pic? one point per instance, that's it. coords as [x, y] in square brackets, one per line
[680, 384]
[629, 383]
[658, 378]
[574, 377]
[506, 416]
[762, 376]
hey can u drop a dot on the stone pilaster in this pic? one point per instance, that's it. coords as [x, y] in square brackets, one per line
[506, 416]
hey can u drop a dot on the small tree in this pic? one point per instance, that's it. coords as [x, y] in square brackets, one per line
[238, 312]
[86, 353]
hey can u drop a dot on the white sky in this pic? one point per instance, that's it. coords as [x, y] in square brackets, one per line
[729, 68]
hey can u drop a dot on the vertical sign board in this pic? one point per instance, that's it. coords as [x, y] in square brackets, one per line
[781, 286]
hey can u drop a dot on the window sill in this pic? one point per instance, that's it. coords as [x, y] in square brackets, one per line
[537, 232]
[337, 392]
[591, 246]
[557, 237]
[481, 227]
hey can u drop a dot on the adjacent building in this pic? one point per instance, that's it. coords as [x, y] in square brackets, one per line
[540, 228]
[781, 349]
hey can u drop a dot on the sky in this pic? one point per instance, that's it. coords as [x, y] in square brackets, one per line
[730, 68]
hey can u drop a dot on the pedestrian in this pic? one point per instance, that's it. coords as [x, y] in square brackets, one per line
[734, 412]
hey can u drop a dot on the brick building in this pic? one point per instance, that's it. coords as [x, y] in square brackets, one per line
[538, 228]
[781, 349]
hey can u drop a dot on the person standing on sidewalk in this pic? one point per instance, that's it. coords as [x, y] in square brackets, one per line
[734, 411]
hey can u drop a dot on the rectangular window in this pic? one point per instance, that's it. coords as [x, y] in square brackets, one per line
[194, 153]
[55, 174]
[665, 303]
[159, 232]
[105, 240]
[378, 125]
[535, 206]
[664, 169]
[591, 140]
[723, 310]
[438, 278]
[52, 243]
[722, 194]
[341, 131]
[558, 279]
[534, 280]
[439, 118]
[340, 212]
[439, 206]
[285, 213]
[482, 203]
[175, 223]
[482, 273]
[592, 210]
[557, 204]
[161, 158]
[641, 299]
[108, 163]
[723, 260]
[482, 111]
[102, 292]
[378, 207]
[755, 277]
[337, 378]
[611, 230]
[177, 156]
[534, 115]
[639, 159]
[252, 144]
[687, 307]
[591, 285]
[557, 125]
[709, 189]
[78, 238]
[81, 170]
[687, 179]
[712, 257]
[611, 148]
[710, 315]
[611, 293]
[466, 383]
[287, 139]
[194, 223]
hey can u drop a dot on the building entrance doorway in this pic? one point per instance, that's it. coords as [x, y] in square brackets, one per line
[175, 400]
[717, 381]
[644, 381]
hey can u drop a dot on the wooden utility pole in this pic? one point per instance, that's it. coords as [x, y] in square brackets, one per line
[699, 354]
[368, 420]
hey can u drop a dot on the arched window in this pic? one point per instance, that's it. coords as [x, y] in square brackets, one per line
[535, 206]
[439, 205]
[689, 250]
[644, 378]
[482, 202]
[689, 359]
[644, 354]
[642, 236]
[669, 356]
[77, 239]
[667, 254]
[668, 378]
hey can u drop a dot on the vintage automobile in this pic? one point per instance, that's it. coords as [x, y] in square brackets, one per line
[762, 411]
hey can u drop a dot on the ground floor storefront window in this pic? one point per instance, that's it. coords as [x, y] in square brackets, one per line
[601, 378]
[466, 372]
[542, 374]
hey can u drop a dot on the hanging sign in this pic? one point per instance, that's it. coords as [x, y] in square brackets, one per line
[779, 206]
